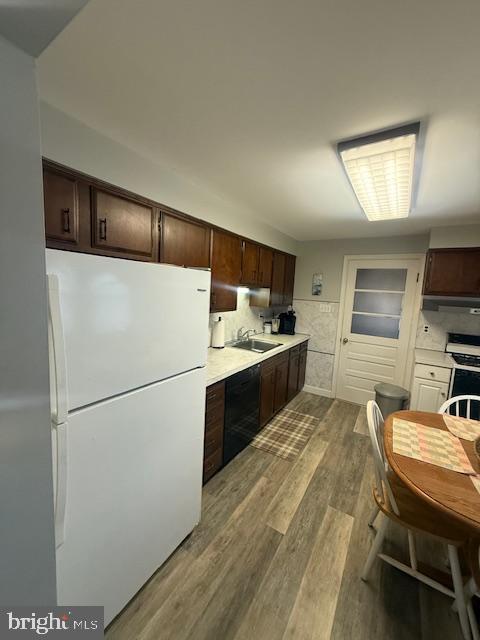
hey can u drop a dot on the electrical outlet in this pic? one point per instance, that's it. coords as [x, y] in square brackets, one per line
[426, 328]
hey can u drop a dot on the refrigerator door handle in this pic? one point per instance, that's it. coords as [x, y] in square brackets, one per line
[59, 412]
[61, 483]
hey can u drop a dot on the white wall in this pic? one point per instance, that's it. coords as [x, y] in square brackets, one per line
[464, 236]
[27, 545]
[321, 320]
[76, 145]
[327, 257]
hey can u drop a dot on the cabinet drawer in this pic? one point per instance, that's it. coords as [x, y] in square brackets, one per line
[432, 373]
[213, 441]
[294, 351]
[267, 367]
[304, 346]
[212, 464]
[216, 393]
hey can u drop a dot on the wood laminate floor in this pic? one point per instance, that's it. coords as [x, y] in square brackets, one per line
[279, 552]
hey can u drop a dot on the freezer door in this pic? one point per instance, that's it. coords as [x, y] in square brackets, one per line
[125, 323]
[133, 492]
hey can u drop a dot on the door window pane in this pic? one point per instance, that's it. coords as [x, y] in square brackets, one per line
[380, 326]
[373, 302]
[381, 279]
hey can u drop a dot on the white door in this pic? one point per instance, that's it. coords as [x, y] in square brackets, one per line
[377, 325]
[126, 324]
[133, 479]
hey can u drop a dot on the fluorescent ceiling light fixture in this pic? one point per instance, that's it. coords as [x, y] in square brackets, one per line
[380, 169]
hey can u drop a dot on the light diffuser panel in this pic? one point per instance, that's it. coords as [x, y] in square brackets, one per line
[381, 174]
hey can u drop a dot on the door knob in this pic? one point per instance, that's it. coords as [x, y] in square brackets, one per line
[345, 340]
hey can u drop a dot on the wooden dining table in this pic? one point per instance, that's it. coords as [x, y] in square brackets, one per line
[450, 492]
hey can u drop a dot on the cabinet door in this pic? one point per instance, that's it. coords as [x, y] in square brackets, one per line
[302, 367]
[61, 202]
[265, 265]
[226, 270]
[121, 226]
[278, 279]
[281, 382]
[453, 272]
[267, 393]
[293, 368]
[289, 279]
[250, 263]
[184, 242]
[428, 395]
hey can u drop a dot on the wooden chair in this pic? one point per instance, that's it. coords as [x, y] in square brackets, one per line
[455, 404]
[400, 505]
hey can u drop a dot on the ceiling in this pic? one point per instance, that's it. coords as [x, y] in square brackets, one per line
[249, 98]
[32, 24]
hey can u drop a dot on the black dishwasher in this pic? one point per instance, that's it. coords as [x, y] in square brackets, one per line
[242, 397]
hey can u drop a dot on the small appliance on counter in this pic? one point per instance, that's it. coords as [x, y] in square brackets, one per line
[218, 334]
[287, 322]
[275, 325]
[267, 327]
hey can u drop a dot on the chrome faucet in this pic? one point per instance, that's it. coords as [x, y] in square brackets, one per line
[244, 334]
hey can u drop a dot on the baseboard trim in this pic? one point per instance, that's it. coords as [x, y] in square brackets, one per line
[318, 391]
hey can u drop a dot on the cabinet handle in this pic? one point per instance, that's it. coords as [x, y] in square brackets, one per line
[443, 394]
[66, 220]
[432, 373]
[102, 224]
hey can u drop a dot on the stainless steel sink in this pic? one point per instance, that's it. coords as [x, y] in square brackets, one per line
[258, 346]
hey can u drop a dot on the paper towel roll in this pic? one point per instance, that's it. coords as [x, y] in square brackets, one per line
[218, 334]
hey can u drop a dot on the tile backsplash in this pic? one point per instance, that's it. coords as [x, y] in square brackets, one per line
[245, 316]
[440, 324]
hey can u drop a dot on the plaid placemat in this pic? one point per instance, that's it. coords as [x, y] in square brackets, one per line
[430, 445]
[462, 427]
[287, 434]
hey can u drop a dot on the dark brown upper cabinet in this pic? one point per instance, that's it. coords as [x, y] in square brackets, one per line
[67, 210]
[184, 242]
[265, 264]
[61, 203]
[453, 272]
[289, 279]
[250, 258]
[278, 279]
[122, 226]
[226, 265]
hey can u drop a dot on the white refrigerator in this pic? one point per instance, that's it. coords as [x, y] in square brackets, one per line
[128, 348]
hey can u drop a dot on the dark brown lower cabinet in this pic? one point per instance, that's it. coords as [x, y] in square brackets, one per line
[293, 368]
[281, 378]
[214, 425]
[302, 365]
[281, 381]
[267, 391]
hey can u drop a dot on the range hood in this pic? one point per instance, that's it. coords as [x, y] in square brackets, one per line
[468, 306]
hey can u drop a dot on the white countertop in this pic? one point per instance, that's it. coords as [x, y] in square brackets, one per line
[222, 363]
[434, 358]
